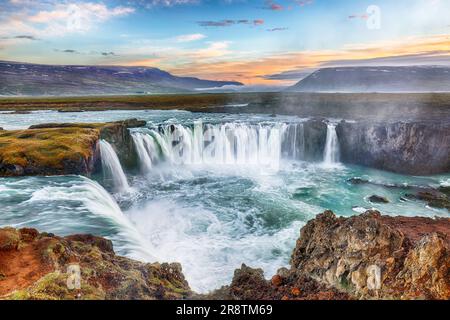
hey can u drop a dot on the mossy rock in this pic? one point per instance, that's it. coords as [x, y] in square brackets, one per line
[9, 239]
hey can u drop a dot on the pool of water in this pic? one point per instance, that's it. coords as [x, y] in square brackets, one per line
[211, 216]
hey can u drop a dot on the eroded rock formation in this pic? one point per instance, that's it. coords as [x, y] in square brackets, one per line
[362, 257]
[37, 265]
[369, 256]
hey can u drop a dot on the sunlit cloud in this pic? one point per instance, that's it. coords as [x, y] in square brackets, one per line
[190, 37]
[60, 19]
[229, 22]
[284, 67]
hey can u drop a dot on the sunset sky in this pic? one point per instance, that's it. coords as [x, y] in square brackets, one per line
[255, 42]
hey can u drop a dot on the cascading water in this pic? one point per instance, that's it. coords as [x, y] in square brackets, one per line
[210, 220]
[145, 148]
[241, 144]
[331, 152]
[111, 164]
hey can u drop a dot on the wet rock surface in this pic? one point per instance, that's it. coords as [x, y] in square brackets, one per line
[378, 199]
[419, 148]
[434, 197]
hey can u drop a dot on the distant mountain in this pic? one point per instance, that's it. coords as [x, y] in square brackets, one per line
[376, 79]
[37, 79]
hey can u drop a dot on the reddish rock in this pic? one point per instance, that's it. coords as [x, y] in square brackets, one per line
[276, 280]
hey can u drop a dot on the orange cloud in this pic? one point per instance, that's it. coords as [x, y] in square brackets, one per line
[253, 71]
[250, 70]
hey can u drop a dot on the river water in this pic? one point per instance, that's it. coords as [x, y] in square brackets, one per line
[241, 197]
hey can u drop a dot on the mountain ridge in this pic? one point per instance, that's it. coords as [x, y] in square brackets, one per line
[29, 79]
[376, 79]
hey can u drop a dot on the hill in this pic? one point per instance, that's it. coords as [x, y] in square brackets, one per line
[25, 79]
[377, 79]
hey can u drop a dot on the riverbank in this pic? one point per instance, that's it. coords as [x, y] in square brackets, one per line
[362, 257]
[382, 106]
[60, 149]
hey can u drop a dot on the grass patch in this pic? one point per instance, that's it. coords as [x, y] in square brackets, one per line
[50, 147]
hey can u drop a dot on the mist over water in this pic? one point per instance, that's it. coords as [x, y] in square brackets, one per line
[240, 196]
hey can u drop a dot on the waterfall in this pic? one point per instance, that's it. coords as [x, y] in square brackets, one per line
[331, 152]
[111, 165]
[241, 144]
[293, 145]
[145, 147]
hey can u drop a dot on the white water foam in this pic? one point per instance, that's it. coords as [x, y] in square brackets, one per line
[101, 204]
[208, 248]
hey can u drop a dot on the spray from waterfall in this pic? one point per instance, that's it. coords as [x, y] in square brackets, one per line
[100, 203]
[111, 166]
[331, 152]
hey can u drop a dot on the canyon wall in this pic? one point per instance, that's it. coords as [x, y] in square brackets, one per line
[417, 148]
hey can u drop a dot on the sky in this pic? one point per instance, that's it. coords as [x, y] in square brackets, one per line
[260, 42]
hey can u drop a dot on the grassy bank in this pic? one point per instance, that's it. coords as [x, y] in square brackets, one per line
[348, 105]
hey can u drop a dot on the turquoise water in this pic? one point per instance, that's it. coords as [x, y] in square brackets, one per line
[209, 217]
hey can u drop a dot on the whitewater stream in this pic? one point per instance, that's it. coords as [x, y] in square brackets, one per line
[234, 189]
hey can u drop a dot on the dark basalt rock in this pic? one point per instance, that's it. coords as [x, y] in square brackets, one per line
[315, 132]
[378, 199]
[418, 148]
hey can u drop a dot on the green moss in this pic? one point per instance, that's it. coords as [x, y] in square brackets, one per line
[48, 148]
[53, 286]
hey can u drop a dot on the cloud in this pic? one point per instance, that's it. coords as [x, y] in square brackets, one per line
[72, 51]
[271, 5]
[91, 53]
[21, 37]
[277, 29]
[303, 3]
[190, 37]
[165, 3]
[107, 53]
[287, 68]
[214, 50]
[57, 19]
[27, 37]
[229, 22]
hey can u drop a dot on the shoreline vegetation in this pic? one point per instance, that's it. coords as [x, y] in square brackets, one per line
[369, 256]
[382, 106]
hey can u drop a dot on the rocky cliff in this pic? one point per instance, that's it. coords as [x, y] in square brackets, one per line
[37, 265]
[419, 148]
[361, 257]
[63, 148]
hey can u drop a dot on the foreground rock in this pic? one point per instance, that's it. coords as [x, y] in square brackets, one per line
[362, 257]
[35, 266]
[61, 149]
